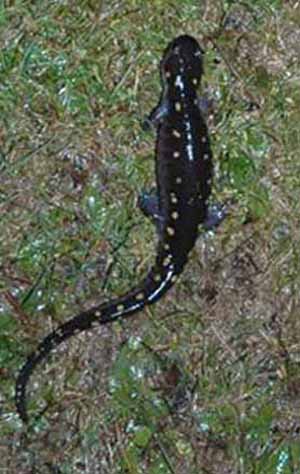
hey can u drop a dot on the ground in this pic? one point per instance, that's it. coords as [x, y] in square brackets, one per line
[208, 379]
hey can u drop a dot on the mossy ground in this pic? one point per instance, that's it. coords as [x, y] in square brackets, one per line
[207, 380]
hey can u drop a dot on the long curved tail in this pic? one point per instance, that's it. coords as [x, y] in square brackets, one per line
[157, 282]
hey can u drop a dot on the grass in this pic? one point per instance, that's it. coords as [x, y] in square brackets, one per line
[208, 379]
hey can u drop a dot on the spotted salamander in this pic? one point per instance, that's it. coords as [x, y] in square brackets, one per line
[184, 176]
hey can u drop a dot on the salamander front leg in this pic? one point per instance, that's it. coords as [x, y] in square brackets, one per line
[216, 213]
[156, 116]
[206, 106]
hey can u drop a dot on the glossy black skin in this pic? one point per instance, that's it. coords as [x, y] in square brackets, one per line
[183, 174]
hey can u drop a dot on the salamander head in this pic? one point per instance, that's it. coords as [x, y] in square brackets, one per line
[183, 56]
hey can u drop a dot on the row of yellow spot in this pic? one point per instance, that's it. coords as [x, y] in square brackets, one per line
[141, 296]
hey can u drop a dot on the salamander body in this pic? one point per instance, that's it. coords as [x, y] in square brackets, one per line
[183, 174]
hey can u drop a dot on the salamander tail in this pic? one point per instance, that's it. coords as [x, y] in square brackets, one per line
[148, 292]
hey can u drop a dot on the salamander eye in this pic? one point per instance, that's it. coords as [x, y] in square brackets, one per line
[170, 231]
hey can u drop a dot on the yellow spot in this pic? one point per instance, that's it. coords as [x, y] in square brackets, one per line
[174, 199]
[176, 133]
[175, 215]
[167, 260]
[170, 231]
[140, 296]
[179, 180]
[178, 106]
[120, 307]
[157, 277]
[176, 154]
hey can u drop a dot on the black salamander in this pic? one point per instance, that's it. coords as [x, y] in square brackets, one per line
[184, 175]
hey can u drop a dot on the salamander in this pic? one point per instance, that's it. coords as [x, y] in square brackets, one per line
[184, 171]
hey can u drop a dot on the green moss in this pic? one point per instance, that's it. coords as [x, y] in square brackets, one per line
[76, 80]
